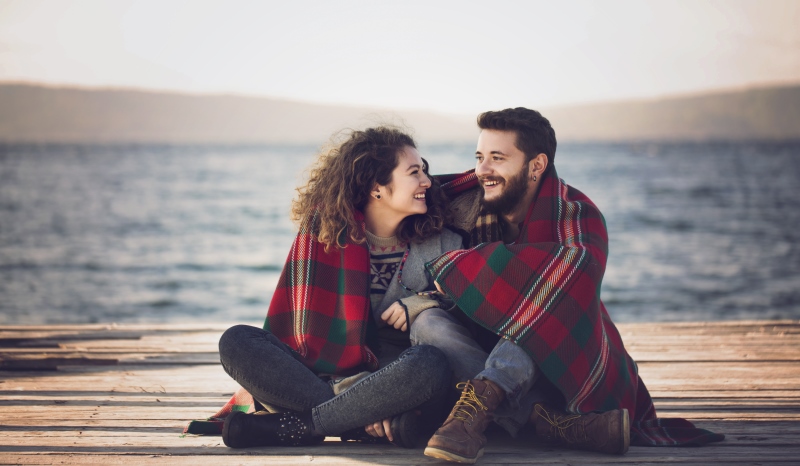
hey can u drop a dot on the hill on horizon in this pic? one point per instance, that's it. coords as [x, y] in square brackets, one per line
[768, 113]
[44, 114]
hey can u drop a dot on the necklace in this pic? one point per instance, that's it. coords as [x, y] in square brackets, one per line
[400, 277]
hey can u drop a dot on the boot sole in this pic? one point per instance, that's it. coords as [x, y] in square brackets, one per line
[449, 456]
[229, 440]
[626, 426]
[405, 428]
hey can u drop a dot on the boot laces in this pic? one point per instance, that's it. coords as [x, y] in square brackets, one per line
[561, 427]
[469, 403]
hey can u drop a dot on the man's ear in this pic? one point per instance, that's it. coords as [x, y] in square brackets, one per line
[537, 166]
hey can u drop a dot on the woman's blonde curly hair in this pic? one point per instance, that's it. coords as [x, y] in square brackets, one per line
[342, 178]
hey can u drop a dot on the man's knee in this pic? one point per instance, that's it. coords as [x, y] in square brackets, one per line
[430, 326]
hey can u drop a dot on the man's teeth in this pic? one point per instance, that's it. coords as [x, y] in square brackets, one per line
[419, 196]
[490, 183]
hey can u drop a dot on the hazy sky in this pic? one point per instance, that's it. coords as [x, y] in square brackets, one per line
[451, 56]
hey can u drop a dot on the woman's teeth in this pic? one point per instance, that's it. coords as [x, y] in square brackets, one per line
[419, 196]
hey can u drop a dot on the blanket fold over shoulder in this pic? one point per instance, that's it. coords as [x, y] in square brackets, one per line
[543, 293]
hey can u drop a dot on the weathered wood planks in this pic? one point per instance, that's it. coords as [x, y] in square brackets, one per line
[111, 394]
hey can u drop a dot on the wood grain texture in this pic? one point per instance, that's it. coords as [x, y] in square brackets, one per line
[121, 394]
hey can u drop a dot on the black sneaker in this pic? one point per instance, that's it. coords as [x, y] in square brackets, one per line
[242, 430]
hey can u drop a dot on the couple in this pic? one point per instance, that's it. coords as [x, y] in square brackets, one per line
[400, 286]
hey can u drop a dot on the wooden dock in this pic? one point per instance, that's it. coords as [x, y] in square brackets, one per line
[112, 394]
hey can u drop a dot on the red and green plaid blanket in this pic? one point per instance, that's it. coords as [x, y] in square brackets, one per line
[543, 293]
[321, 305]
[320, 308]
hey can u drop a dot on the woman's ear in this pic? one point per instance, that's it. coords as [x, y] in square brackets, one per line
[376, 191]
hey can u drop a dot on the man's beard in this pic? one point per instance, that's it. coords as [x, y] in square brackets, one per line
[514, 191]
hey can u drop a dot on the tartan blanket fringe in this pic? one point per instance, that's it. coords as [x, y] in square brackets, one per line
[671, 432]
[240, 401]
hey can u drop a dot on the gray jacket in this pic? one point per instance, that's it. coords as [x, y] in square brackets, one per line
[416, 277]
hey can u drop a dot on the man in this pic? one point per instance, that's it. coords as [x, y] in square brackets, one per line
[531, 276]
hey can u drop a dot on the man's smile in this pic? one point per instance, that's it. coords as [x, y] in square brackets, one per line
[489, 183]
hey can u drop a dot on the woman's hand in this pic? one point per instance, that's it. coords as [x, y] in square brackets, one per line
[395, 316]
[381, 428]
[439, 288]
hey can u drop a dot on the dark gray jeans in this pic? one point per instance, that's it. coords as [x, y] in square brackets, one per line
[274, 374]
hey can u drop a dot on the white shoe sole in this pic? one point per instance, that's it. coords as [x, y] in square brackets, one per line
[446, 455]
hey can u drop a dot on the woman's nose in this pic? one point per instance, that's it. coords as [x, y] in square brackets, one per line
[426, 181]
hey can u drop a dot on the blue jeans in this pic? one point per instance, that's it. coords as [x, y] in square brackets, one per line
[508, 365]
[275, 375]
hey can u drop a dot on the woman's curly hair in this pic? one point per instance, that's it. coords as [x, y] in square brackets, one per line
[342, 178]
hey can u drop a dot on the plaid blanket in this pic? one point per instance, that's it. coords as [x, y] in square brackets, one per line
[320, 309]
[321, 305]
[543, 293]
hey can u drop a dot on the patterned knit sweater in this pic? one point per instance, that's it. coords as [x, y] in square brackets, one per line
[385, 255]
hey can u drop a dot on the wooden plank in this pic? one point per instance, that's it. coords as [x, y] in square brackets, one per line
[55, 360]
[737, 378]
[338, 453]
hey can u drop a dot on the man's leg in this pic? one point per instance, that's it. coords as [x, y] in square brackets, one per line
[508, 374]
[513, 370]
[442, 329]
[510, 367]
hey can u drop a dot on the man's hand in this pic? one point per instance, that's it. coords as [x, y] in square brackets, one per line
[381, 428]
[395, 316]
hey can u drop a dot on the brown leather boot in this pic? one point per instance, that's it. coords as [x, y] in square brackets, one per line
[607, 432]
[461, 436]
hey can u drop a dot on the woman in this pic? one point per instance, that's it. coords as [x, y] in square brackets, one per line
[334, 353]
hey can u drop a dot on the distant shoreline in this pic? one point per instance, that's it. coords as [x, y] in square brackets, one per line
[42, 114]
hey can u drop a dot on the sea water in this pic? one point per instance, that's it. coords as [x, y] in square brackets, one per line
[137, 233]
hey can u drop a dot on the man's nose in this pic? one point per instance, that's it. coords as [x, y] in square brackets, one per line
[482, 168]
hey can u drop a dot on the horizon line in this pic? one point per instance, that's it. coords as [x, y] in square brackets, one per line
[653, 98]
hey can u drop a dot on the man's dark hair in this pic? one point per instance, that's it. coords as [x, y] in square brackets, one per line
[534, 133]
